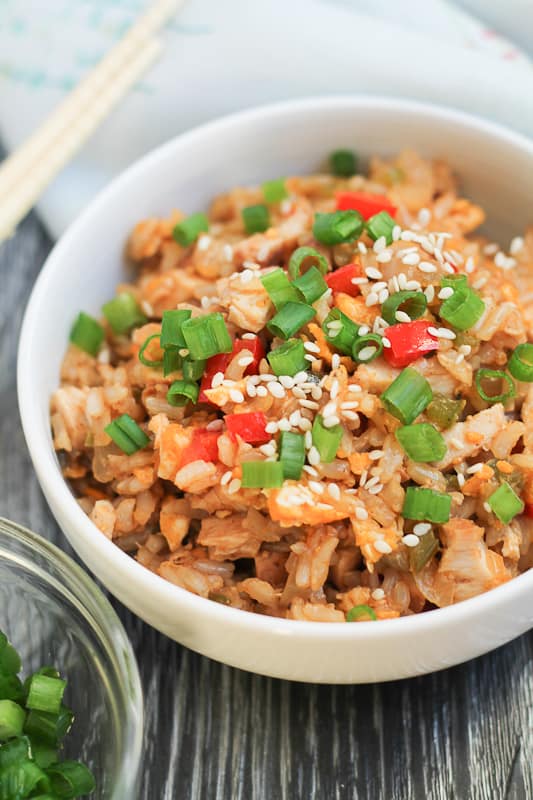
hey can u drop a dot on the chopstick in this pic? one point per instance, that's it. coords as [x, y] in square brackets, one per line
[26, 173]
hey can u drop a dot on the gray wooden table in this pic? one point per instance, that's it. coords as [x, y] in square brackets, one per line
[216, 733]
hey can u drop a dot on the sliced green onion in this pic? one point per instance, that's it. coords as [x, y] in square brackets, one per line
[407, 396]
[15, 750]
[292, 454]
[123, 313]
[12, 718]
[187, 231]
[290, 319]
[422, 442]
[45, 694]
[338, 227]
[379, 225]
[459, 281]
[492, 375]
[206, 336]
[40, 726]
[182, 392]
[262, 474]
[172, 361]
[304, 258]
[44, 756]
[367, 348]
[521, 363]
[360, 612]
[280, 289]
[126, 434]
[326, 440]
[444, 411]
[413, 304]
[9, 658]
[340, 331]
[343, 163]
[289, 358]
[426, 505]
[171, 333]
[311, 285]
[10, 687]
[423, 552]
[193, 370]
[71, 779]
[23, 779]
[142, 358]
[505, 503]
[463, 309]
[256, 218]
[87, 334]
[274, 191]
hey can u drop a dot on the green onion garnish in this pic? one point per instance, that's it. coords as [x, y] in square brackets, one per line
[206, 336]
[311, 285]
[280, 289]
[326, 440]
[126, 434]
[343, 163]
[304, 258]
[521, 363]
[262, 474]
[505, 503]
[426, 505]
[494, 376]
[422, 442]
[256, 218]
[193, 370]
[188, 230]
[289, 358]
[292, 454]
[171, 333]
[423, 552]
[123, 313]
[444, 411]
[360, 612]
[87, 334]
[182, 392]
[274, 191]
[9, 658]
[367, 348]
[12, 718]
[338, 227]
[70, 779]
[172, 361]
[454, 281]
[463, 309]
[45, 693]
[340, 331]
[413, 304]
[142, 358]
[407, 396]
[379, 225]
[290, 319]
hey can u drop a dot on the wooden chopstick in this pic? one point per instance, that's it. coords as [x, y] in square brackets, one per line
[25, 174]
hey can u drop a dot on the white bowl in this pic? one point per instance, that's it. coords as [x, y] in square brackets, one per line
[496, 167]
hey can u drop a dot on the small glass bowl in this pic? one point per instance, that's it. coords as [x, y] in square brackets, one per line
[54, 614]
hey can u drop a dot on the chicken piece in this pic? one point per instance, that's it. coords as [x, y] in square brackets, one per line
[260, 591]
[104, 517]
[174, 521]
[189, 578]
[69, 422]
[314, 612]
[248, 302]
[237, 536]
[473, 435]
[374, 540]
[270, 567]
[273, 246]
[297, 504]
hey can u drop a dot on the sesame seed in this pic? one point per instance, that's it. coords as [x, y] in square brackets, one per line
[227, 476]
[375, 455]
[410, 540]
[305, 424]
[470, 265]
[427, 245]
[475, 468]
[361, 513]
[228, 252]
[248, 336]
[284, 425]
[378, 594]
[372, 299]
[308, 440]
[246, 276]
[480, 282]
[203, 242]
[334, 491]
[380, 244]
[361, 246]
[300, 377]
[334, 326]
[311, 471]
[465, 349]
[406, 250]
[334, 391]
[421, 528]
[408, 236]
[316, 487]
[298, 393]
[448, 268]
[379, 285]
[214, 425]
[412, 286]
[267, 376]
[395, 284]
[350, 415]
[445, 293]
[376, 489]
[367, 353]
[433, 331]
[460, 480]
[487, 508]
[261, 391]
[363, 330]
[330, 422]
[373, 273]
[372, 482]
[445, 333]
[309, 404]
[234, 486]
[456, 443]
[411, 259]
[268, 449]
[350, 404]
[286, 381]
[236, 396]
[313, 456]
[205, 302]
[183, 352]
[503, 261]
[312, 347]
[429, 291]
[329, 409]
[401, 316]
[245, 361]
[316, 392]
[424, 217]
[271, 427]
[354, 387]
[386, 342]
[396, 233]
[359, 281]
[382, 547]
[460, 358]
[295, 418]
[217, 380]
[427, 266]
[276, 389]
[309, 357]
[384, 257]
[383, 295]
[402, 280]
[516, 245]
[335, 361]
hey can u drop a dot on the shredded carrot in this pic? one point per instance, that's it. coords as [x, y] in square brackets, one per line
[505, 467]
[96, 494]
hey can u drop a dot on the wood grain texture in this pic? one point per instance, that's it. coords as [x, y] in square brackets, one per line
[216, 733]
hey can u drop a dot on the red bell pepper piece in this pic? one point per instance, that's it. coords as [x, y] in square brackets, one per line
[366, 203]
[251, 427]
[341, 279]
[203, 447]
[409, 341]
[219, 363]
[528, 510]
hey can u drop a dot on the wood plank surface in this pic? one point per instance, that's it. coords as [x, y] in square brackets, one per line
[216, 733]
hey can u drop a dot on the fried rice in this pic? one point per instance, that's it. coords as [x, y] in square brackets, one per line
[338, 434]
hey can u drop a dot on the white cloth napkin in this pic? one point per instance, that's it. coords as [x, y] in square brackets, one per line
[223, 56]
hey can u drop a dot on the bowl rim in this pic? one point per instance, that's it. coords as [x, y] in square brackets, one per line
[43, 455]
[100, 616]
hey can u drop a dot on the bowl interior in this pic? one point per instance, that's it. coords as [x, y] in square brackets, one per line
[52, 620]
